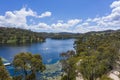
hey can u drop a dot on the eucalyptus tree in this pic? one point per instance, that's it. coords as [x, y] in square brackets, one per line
[4, 75]
[29, 64]
[98, 54]
[68, 65]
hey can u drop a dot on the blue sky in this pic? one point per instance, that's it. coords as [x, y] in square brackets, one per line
[78, 16]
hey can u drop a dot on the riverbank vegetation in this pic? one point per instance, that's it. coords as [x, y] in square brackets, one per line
[61, 35]
[96, 55]
[19, 36]
[22, 36]
[26, 66]
[4, 75]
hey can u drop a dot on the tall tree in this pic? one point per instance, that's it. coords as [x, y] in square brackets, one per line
[68, 65]
[4, 75]
[29, 64]
[98, 54]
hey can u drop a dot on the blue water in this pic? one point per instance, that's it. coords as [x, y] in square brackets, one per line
[49, 50]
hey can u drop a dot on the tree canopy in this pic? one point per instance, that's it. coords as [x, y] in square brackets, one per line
[97, 53]
[4, 75]
[18, 36]
[29, 64]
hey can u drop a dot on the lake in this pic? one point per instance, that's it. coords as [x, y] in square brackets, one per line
[49, 50]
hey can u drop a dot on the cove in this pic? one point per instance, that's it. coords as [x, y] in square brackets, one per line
[49, 50]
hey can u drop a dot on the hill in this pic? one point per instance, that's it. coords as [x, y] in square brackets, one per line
[22, 36]
[18, 36]
[97, 57]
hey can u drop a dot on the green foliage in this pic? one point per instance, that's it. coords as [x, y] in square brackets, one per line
[98, 54]
[4, 75]
[19, 36]
[64, 77]
[27, 62]
[68, 65]
[104, 77]
[1, 63]
[22, 36]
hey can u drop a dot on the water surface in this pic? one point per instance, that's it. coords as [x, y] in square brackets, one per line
[49, 50]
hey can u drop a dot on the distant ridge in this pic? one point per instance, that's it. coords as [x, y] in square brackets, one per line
[11, 34]
[18, 36]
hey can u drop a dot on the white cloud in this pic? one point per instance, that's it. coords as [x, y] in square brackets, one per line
[43, 25]
[60, 26]
[40, 27]
[66, 25]
[115, 4]
[18, 18]
[74, 22]
[110, 21]
[46, 14]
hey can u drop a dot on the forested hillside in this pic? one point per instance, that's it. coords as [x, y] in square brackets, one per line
[61, 35]
[97, 53]
[18, 36]
[22, 36]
